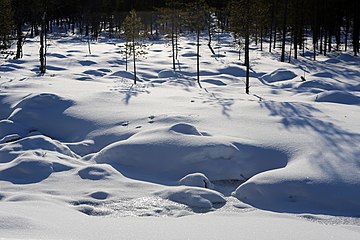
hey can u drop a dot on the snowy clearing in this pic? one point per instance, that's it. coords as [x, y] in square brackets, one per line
[84, 152]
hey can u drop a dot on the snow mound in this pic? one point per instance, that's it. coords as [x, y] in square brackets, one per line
[99, 172]
[279, 75]
[167, 73]
[26, 169]
[33, 143]
[196, 180]
[164, 153]
[45, 112]
[300, 194]
[320, 84]
[193, 197]
[126, 75]
[324, 75]
[184, 128]
[338, 97]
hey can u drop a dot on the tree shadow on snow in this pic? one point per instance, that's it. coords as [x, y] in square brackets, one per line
[342, 143]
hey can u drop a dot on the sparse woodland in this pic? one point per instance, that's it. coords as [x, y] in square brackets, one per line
[292, 26]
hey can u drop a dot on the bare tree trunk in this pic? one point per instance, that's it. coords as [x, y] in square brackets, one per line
[19, 50]
[284, 32]
[134, 58]
[247, 48]
[173, 45]
[198, 58]
[43, 46]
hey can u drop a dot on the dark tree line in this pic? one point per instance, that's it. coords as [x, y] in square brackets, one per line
[291, 26]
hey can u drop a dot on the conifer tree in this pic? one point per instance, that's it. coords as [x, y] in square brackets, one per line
[241, 20]
[170, 17]
[196, 19]
[133, 33]
[5, 23]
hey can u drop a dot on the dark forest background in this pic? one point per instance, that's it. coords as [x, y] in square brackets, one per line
[330, 25]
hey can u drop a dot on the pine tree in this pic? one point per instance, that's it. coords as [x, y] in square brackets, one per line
[241, 20]
[133, 33]
[5, 23]
[170, 17]
[196, 18]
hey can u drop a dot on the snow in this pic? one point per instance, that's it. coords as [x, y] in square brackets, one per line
[196, 180]
[86, 154]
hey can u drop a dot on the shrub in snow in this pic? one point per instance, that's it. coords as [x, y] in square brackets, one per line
[196, 180]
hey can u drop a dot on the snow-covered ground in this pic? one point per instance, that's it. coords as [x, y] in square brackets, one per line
[85, 154]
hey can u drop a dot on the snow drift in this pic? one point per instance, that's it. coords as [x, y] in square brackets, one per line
[173, 152]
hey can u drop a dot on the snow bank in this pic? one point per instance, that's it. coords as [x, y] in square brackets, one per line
[192, 196]
[173, 152]
[38, 143]
[278, 191]
[278, 75]
[46, 113]
[26, 169]
[338, 97]
[324, 84]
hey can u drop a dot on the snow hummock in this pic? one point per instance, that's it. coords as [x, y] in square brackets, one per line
[279, 75]
[338, 97]
[196, 180]
[193, 197]
[173, 152]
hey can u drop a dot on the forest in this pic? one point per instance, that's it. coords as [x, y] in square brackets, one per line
[285, 24]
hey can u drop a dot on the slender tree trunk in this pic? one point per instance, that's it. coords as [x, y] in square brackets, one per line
[89, 44]
[271, 24]
[173, 47]
[329, 41]
[261, 39]
[176, 46]
[247, 48]
[347, 29]
[210, 38]
[198, 58]
[284, 32]
[325, 42]
[19, 50]
[321, 41]
[134, 58]
[126, 56]
[356, 30]
[43, 46]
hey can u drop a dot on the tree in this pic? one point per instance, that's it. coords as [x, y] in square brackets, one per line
[284, 31]
[133, 33]
[196, 19]
[240, 24]
[43, 38]
[5, 23]
[171, 19]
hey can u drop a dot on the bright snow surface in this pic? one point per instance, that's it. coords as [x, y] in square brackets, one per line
[84, 152]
